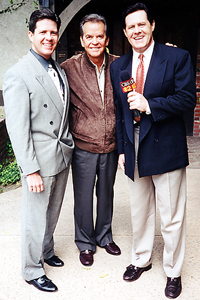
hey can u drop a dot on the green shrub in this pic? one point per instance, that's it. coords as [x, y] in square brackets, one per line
[9, 149]
[10, 173]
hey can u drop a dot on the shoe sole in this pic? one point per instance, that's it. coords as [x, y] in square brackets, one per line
[87, 265]
[144, 270]
[172, 297]
[41, 289]
[51, 265]
[112, 253]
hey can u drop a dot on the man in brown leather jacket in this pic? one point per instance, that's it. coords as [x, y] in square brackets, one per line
[92, 124]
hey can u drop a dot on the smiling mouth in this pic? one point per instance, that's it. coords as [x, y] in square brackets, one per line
[138, 38]
[48, 45]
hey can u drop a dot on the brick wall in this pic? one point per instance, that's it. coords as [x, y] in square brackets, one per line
[197, 109]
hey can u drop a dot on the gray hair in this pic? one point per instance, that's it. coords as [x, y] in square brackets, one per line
[95, 18]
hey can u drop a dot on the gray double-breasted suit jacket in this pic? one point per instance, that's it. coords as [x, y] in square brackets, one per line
[36, 118]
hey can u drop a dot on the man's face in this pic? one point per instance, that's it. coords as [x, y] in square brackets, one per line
[139, 31]
[94, 40]
[45, 37]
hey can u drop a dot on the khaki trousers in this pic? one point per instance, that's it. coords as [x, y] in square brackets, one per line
[169, 190]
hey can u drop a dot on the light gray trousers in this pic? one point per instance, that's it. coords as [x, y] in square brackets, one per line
[40, 212]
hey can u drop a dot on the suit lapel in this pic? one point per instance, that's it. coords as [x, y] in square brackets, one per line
[64, 80]
[155, 74]
[127, 65]
[66, 99]
[46, 82]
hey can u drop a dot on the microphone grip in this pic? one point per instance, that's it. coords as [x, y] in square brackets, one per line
[136, 113]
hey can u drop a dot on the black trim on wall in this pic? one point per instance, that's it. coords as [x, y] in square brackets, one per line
[1, 98]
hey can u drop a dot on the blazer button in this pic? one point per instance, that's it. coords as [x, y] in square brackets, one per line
[51, 123]
[156, 140]
[45, 105]
[125, 143]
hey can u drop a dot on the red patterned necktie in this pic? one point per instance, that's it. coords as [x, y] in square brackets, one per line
[139, 81]
[140, 75]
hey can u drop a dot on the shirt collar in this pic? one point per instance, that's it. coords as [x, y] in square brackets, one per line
[45, 63]
[147, 54]
[103, 64]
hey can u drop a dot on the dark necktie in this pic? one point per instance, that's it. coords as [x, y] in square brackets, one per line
[54, 76]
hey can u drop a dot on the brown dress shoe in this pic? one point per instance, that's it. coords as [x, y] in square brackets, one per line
[113, 249]
[86, 257]
[173, 287]
[132, 273]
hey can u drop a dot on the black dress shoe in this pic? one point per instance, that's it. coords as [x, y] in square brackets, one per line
[113, 249]
[173, 287]
[132, 273]
[54, 261]
[86, 257]
[43, 284]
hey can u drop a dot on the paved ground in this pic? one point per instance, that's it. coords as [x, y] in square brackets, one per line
[102, 281]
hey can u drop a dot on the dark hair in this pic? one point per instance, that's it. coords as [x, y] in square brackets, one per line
[95, 18]
[136, 7]
[40, 14]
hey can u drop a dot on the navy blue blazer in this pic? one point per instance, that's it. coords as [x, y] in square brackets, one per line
[170, 90]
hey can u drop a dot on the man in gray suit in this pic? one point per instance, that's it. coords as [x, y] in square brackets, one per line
[36, 97]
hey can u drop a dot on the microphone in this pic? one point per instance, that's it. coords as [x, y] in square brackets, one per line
[128, 84]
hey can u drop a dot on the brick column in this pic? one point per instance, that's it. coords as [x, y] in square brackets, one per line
[197, 109]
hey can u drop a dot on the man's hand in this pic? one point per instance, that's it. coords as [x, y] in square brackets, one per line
[137, 101]
[172, 45]
[121, 161]
[35, 183]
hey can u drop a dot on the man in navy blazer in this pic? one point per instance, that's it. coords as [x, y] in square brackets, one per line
[153, 152]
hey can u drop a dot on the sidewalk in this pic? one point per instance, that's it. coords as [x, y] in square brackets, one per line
[102, 281]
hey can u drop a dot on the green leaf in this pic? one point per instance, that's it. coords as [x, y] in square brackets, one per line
[10, 174]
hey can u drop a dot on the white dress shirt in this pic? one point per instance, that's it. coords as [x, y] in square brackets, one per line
[101, 78]
[146, 59]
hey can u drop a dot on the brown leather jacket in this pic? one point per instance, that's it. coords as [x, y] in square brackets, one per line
[92, 124]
